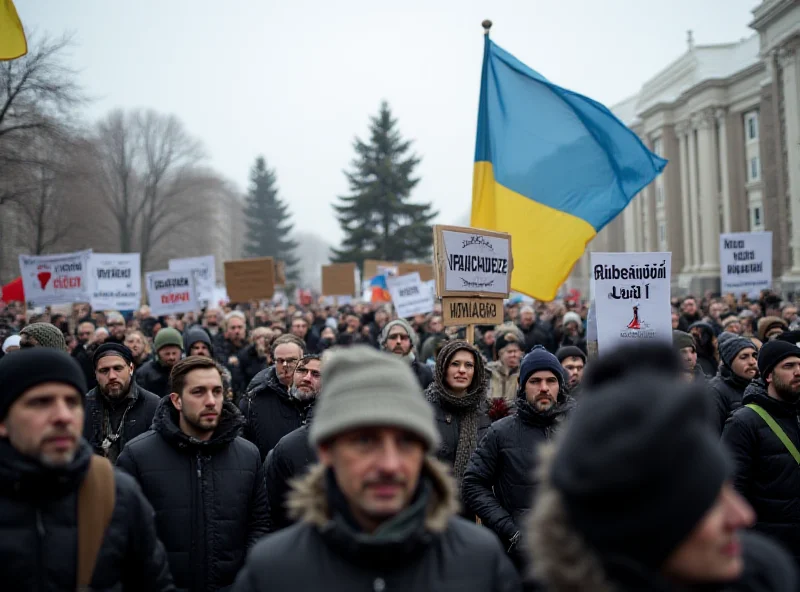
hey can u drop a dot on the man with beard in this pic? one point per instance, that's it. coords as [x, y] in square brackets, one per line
[293, 454]
[228, 344]
[499, 483]
[573, 360]
[270, 410]
[738, 367]
[115, 323]
[206, 484]
[52, 488]
[764, 436]
[505, 365]
[82, 352]
[211, 320]
[154, 375]
[400, 339]
[117, 409]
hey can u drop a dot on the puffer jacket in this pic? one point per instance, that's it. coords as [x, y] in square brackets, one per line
[209, 497]
[765, 472]
[727, 390]
[38, 522]
[270, 412]
[153, 376]
[425, 548]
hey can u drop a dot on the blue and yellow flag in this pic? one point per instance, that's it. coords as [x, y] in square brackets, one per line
[12, 36]
[552, 168]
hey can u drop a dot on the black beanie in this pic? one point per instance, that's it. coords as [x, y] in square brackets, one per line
[771, 355]
[27, 368]
[570, 351]
[112, 349]
[639, 467]
[539, 359]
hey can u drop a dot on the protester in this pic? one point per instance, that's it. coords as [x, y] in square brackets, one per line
[115, 323]
[504, 368]
[42, 335]
[205, 482]
[11, 344]
[376, 514]
[573, 361]
[400, 339]
[139, 346]
[705, 343]
[153, 376]
[255, 357]
[738, 367]
[572, 332]
[770, 327]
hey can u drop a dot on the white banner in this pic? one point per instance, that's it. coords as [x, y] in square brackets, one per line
[632, 297]
[410, 295]
[745, 261]
[171, 292]
[116, 281]
[205, 271]
[55, 279]
[476, 263]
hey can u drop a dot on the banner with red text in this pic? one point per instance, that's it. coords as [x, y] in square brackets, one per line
[55, 279]
[171, 292]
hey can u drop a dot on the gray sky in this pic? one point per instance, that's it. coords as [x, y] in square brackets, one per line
[296, 80]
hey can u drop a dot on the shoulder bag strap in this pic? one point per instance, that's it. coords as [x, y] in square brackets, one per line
[96, 498]
[773, 425]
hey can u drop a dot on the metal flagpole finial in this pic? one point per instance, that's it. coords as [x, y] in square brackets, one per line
[487, 24]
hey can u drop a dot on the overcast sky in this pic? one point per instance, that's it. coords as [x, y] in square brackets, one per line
[296, 80]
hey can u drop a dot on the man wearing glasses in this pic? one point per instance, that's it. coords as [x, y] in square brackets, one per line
[271, 410]
[115, 323]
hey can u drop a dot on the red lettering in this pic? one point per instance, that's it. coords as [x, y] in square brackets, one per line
[173, 298]
[67, 283]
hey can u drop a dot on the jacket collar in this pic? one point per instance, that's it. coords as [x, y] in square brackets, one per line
[756, 392]
[165, 423]
[26, 477]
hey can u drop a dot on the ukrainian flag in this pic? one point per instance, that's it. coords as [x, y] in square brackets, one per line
[380, 290]
[12, 36]
[552, 168]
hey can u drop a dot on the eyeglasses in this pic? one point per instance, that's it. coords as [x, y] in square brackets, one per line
[286, 362]
[316, 374]
[116, 324]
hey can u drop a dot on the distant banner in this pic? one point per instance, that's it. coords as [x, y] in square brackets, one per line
[745, 260]
[56, 279]
[171, 292]
[116, 281]
[205, 271]
[410, 295]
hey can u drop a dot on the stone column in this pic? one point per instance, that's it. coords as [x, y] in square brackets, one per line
[686, 227]
[707, 196]
[725, 192]
[694, 206]
[791, 104]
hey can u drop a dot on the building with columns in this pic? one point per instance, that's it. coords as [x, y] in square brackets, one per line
[727, 117]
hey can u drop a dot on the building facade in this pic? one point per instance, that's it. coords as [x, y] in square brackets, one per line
[727, 117]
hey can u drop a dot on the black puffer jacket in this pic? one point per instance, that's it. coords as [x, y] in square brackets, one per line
[765, 472]
[447, 421]
[38, 522]
[137, 410]
[153, 376]
[727, 390]
[499, 483]
[209, 497]
[269, 411]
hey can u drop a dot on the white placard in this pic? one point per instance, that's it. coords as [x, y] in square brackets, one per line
[205, 271]
[55, 279]
[410, 296]
[632, 297]
[116, 281]
[476, 263]
[171, 292]
[745, 261]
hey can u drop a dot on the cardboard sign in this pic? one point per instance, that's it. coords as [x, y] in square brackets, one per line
[250, 279]
[171, 292]
[56, 279]
[472, 262]
[280, 273]
[410, 296]
[339, 279]
[632, 298]
[745, 261]
[425, 270]
[373, 267]
[205, 274]
[472, 311]
[116, 281]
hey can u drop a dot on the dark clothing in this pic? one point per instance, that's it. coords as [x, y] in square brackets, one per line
[38, 522]
[708, 365]
[540, 333]
[765, 472]
[84, 359]
[423, 373]
[448, 424]
[209, 497]
[685, 321]
[222, 350]
[250, 364]
[727, 390]
[291, 458]
[120, 421]
[579, 342]
[153, 376]
[270, 412]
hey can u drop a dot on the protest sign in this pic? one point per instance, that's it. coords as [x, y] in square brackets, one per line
[472, 262]
[171, 292]
[632, 297]
[55, 279]
[116, 281]
[205, 274]
[409, 295]
[250, 279]
[339, 279]
[425, 270]
[280, 273]
[745, 261]
[472, 311]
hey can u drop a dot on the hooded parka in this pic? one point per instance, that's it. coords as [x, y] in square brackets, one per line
[727, 390]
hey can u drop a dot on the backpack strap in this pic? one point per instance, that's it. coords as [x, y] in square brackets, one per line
[773, 425]
[96, 499]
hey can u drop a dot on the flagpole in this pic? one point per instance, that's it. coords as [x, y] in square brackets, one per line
[487, 24]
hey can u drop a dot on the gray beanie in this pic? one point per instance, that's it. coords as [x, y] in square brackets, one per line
[46, 335]
[362, 387]
[405, 325]
[729, 347]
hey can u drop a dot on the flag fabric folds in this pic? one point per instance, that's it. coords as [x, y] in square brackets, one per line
[380, 290]
[12, 36]
[552, 168]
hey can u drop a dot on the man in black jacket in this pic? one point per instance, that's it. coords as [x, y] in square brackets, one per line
[400, 339]
[498, 483]
[269, 409]
[766, 470]
[378, 513]
[117, 409]
[739, 366]
[206, 483]
[154, 375]
[43, 463]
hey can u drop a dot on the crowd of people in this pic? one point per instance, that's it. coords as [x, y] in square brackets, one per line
[257, 447]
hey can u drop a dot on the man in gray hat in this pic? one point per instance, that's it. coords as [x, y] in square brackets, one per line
[399, 338]
[42, 335]
[378, 512]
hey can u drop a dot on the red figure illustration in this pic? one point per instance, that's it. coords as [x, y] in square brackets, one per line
[634, 324]
[44, 277]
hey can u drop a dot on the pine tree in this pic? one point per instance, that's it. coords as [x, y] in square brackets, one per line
[268, 225]
[378, 220]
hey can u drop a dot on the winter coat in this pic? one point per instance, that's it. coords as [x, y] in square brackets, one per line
[84, 359]
[540, 333]
[447, 422]
[502, 382]
[423, 373]
[153, 376]
[424, 549]
[137, 411]
[250, 364]
[209, 497]
[38, 522]
[765, 472]
[726, 390]
[270, 412]
[708, 365]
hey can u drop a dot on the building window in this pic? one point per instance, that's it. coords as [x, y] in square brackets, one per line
[757, 217]
[751, 126]
[754, 170]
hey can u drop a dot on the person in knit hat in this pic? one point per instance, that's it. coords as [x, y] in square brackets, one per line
[684, 344]
[572, 333]
[399, 338]
[770, 327]
[377, 512]
[628, 466]
[153, 376]
[504, 369]
[705, 342]
[498, 484]
[42, 335]
[573, 360]
[766, 471]
[738, 366]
